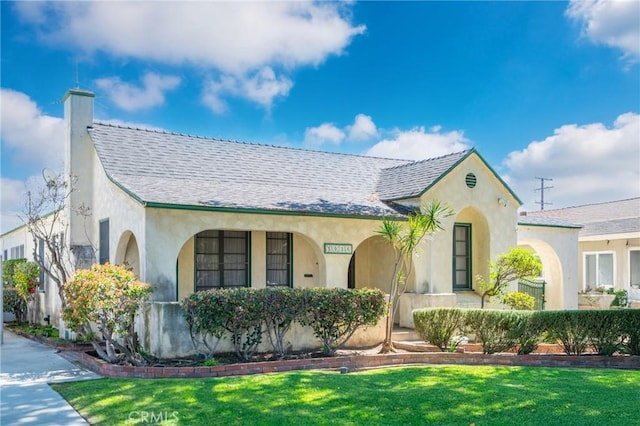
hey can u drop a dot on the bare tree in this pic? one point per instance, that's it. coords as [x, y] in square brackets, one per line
[44, 217]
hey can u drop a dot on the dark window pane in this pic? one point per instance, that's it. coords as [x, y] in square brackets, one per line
[221, 259]
[104, 241]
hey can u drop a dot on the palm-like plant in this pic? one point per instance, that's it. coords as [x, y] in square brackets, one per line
[404, 238]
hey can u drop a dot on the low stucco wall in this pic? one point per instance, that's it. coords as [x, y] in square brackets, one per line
[163, 331]
[410, 301]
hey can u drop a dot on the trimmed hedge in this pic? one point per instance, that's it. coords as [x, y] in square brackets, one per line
[605, 331]
[246, 314]
[438, 326]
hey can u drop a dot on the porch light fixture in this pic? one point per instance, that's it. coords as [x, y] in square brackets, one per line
[502, 202]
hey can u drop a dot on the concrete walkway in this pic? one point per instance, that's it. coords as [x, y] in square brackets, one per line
[26, 368]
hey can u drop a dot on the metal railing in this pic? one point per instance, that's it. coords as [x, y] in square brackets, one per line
[536, 290]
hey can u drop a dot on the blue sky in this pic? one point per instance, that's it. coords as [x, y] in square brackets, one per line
[546, 89]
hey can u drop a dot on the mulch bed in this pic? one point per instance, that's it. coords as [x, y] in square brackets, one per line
[358, 360]
[346, 360]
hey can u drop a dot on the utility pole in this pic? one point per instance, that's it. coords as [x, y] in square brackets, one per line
[541, 189]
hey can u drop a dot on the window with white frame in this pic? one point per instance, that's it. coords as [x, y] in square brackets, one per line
[17, 252]
[599, 270]
[634, 267]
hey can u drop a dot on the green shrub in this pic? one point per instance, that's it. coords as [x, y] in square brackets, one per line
[631, 331]
[25, 277]
[526, 331]
[11, 300]
[205, 319]
[335, 314]
[606, 334]
[108, 296]
[519, 301]
[621, 299]
[566, 327]
[282, 307]
[438, 325]
[243, 311]
[493, 328]
[236, 311]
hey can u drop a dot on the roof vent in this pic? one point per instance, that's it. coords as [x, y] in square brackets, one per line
[470, 180]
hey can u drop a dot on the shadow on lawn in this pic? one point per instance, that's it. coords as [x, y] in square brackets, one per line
[411, 395]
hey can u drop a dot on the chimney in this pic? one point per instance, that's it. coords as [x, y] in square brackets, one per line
[78, 167]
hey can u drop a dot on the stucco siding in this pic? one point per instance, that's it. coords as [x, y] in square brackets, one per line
[558, 250]
[493, 222]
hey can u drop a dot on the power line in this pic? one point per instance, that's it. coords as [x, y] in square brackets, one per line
[541, 189]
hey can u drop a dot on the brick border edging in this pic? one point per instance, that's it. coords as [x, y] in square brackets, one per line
[355, 362]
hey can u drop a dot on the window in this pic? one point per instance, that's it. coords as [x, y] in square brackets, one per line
[462, 256]
[279, 259]
[634, 267]
[5, 255]
[17, 252]
[104, 241]
[598, 270]
[222, 259]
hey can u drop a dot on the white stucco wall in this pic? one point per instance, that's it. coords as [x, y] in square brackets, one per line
[493, 224]
[557, 248]
[169, 231]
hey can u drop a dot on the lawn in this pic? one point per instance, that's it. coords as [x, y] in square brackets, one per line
[458, 395]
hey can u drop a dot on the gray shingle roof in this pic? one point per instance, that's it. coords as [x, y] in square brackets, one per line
[168, 168]
[411, 179]
[546, 221]
[614, 217]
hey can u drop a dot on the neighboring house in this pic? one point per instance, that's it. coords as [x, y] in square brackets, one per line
[188, 213]
[608, 243]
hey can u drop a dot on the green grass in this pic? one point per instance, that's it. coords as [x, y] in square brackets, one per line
[457, 395]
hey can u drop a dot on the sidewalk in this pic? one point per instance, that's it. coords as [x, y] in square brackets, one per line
[25, 369]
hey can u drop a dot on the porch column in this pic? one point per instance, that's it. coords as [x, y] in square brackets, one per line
[159, 264]
[422, 267]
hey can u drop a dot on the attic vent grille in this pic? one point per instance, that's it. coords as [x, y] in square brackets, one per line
[470, 180]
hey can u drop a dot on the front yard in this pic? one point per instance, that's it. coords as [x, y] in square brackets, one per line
[460, 395]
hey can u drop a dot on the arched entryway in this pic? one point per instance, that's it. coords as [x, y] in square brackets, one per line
[551, 271]
[471, 248]
[372, 265]
[127, 252]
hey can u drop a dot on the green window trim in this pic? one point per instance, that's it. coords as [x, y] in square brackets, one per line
[462, 257]
[279, 259]
[222, 259]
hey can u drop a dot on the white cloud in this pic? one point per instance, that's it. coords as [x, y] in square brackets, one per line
[33, 139]
[363, 129]
[262, 88]
[588, 163]
[12, 198]
[236, 39]
[613, 23]
[132, 98]
[325, 132]
[417, 144]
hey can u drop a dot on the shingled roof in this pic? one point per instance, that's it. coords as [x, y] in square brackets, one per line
[161, 168]
[613, 217]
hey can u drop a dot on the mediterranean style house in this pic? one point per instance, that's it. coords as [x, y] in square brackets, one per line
[189, 213]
